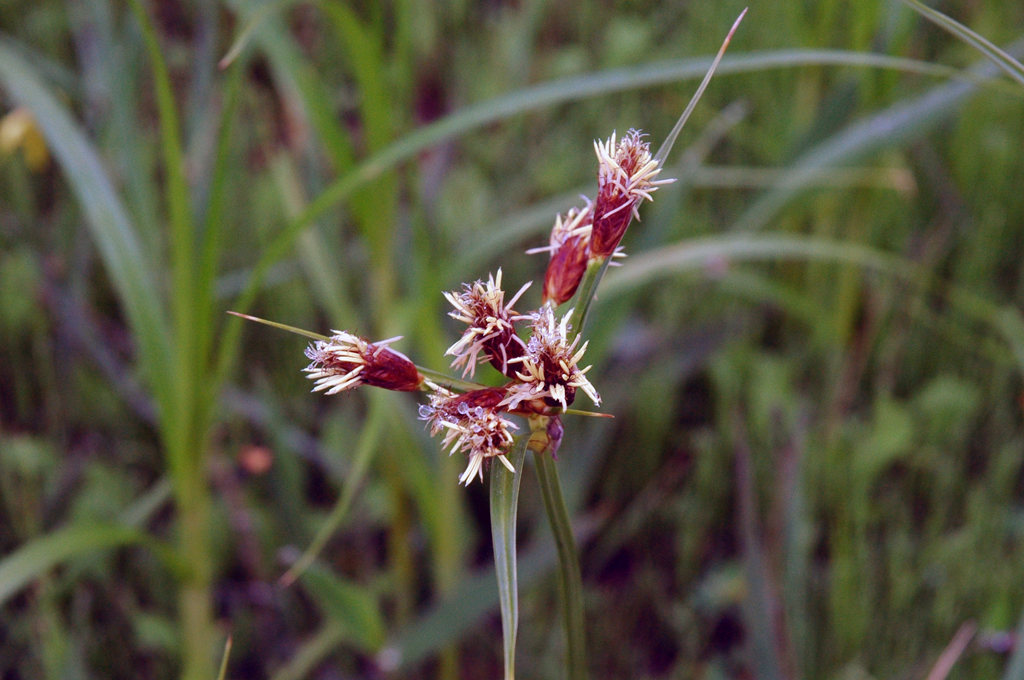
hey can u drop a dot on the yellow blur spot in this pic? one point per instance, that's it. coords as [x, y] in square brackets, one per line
[18, 129]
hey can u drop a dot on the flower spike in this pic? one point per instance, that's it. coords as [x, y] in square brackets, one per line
[345, 361]
[626, 177]
[549, 371]
[570, 251]
[471, 424]
[491, 334]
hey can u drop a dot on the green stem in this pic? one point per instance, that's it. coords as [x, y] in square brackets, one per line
[584, 296]
[504, 506]
[570, 582]
[194, 597]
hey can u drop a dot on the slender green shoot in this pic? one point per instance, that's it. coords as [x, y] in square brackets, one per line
[569, 580]
[368, 444]
[587, 414]
[504, 506]
[666, 146]
[281, 326]
[1011, 66]
[584, 296]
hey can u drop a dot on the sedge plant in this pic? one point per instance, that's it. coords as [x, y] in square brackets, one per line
[539, 353]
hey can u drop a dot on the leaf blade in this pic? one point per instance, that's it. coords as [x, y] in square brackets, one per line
[1011, 66]
[133, 276]
[41, 554]
[351, 606]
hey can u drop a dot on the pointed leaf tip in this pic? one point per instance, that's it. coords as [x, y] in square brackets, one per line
[666, 147]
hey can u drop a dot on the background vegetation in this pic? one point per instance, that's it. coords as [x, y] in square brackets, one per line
[813, 353]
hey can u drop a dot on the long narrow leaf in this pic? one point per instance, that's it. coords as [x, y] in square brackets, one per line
[186, 370]
[1011, 66]
[569, 578]
[365, 52]
[504, 507]
[211, 240]
[698, 254]
[311, 653]
[901, 122]
[132, 275]
[42, 554]
[223, 674]
[353, 607]
[280, 326]
[365, 450]
[670, 140]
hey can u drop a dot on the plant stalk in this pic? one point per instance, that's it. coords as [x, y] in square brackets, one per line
[504, 508]
[194, 596]
[569, 580]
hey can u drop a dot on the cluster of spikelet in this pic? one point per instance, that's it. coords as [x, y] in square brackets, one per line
[543, 370]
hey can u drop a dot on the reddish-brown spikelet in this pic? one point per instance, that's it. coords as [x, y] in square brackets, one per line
[457, 404]
[549, 373]
[569, 249]
[566, 270]
[491, 334]
[346, 361]
[626, 176]
[472, 424]
[392, 371]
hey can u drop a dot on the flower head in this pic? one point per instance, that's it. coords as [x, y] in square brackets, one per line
[491, 335]
[549, 369]
[346, 361]
[626, 176]
[569, 248]
[471, 424]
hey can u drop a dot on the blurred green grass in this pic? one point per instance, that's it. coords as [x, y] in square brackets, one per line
[815, 465]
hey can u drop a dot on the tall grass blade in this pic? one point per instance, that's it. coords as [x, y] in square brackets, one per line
[351, 606]
[954, 650]
[311, 653]
[133, 277]
[902, 122]
[211, 243]
[244, 36]
[1011, 66]
[700, 254]
[223, 674]
[504, 507]
[142, 509]
[170, 138]
[325, 277]
[368, 445]
[184, 379]
[36, 557]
